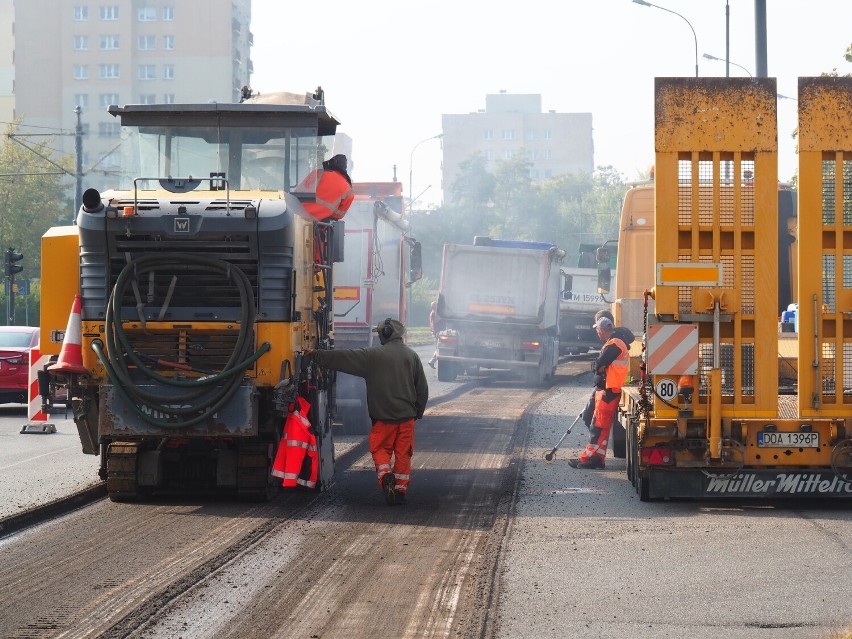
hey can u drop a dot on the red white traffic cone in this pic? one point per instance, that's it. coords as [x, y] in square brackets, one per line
[71, 356]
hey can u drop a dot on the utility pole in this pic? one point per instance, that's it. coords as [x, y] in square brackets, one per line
[78, 149]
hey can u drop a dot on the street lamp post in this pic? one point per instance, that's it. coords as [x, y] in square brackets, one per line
[411, 175]
[695, 37]
[411, 199]
[713, 57]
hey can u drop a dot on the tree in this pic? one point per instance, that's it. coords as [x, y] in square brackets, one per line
[565, 210]
[32, 199]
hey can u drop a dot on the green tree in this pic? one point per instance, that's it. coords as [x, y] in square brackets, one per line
[566, 210]
[32, 199]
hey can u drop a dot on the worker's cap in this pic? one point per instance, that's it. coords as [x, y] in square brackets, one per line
[603, 322]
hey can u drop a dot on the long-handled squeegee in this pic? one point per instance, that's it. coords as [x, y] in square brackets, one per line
[548, 457]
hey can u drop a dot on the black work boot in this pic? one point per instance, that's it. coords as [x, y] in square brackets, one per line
[388, 485]
[593, 463]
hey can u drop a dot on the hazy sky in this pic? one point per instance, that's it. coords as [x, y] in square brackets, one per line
[390, 68]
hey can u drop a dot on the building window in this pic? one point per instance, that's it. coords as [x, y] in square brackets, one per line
[81, 100]
[169, 98]
[531, 134]
[108, 71]
[108, 42]
[109, 12]
[146, 72]
[168, 72]
[547, 134]
[81, 13]
[168, 14]
[507, 154]
[81, 71]
[81, 43]
[109, 129]
[532, 156]
[489, 155]
[548, 154]
[147, 43]
[169, 43]
[147, 14]
[106, 99]
[149, 98]
[548, 174]
[508, 134]
[489, 134]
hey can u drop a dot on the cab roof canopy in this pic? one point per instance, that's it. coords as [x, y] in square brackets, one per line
[252, 113]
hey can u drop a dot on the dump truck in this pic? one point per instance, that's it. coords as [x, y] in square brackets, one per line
[381, 260]
[709, 417]
[200, 280]
[581, 299]
[499, 303]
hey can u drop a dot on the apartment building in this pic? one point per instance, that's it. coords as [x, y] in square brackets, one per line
[86, 54]
[554, 143]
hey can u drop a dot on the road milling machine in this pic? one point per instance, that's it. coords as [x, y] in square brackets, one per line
[708, 417]
[201, 281]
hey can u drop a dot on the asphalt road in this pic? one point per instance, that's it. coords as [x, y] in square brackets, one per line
[495, 543]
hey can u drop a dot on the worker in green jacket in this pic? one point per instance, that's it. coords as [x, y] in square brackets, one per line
[397, 393]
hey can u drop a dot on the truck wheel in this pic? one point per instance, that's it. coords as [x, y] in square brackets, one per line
[629, 446]
[446, 371]
[355, 420]
[535, 376]
[643, 485]
[619, 439]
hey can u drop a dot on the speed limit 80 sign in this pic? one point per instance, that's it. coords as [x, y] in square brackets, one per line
[666, 388]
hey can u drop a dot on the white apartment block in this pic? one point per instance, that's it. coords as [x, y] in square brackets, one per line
[81, 53]
[553, 143]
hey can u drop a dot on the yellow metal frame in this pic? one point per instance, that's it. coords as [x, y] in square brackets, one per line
[825, 240]
[711, 209]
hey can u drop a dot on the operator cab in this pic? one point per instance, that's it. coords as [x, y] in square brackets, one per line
[268, 143]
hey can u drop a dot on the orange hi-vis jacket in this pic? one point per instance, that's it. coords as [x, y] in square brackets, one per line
[334, 194]
[616, 372]
[297, 460]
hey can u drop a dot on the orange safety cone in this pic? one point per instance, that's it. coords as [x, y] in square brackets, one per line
[71, 356]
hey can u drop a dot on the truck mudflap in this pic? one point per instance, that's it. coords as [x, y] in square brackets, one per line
[779, 483]
[236, 418]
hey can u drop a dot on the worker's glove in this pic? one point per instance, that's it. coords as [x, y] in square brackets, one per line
[600, 381]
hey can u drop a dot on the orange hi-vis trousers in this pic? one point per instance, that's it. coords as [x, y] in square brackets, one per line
[392, 446]
[599, 432]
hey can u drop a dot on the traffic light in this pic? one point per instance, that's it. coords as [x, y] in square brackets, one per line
[12, 267]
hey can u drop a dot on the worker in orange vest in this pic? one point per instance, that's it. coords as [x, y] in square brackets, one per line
[611, 368]
[397, 392]
[333, 187]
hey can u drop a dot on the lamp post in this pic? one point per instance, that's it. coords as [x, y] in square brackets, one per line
[713, 57]
[411, 175]
[695, 37]
[411, 199]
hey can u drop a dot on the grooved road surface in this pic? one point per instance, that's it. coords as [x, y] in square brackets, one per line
[341, 564]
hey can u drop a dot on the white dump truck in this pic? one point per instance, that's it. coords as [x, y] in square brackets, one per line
[499, 304]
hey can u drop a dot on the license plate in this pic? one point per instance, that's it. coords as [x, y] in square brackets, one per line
[774, 439]
[490, 344]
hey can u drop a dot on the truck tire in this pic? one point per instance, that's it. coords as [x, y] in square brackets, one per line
[536, 377]
[618, 436]
[354, 420]
[446, 371]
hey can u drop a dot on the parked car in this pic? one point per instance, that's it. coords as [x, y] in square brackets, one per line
[16, 342]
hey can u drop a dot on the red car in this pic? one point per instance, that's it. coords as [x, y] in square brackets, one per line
[15, 345]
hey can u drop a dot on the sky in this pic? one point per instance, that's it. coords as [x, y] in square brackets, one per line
[391, 68]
